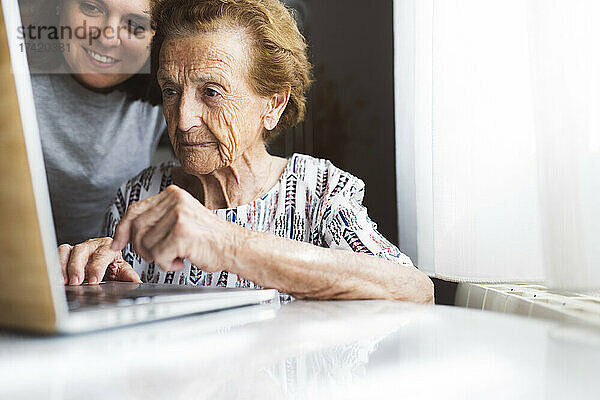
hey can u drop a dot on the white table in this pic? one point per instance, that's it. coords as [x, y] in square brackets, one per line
[311, 350]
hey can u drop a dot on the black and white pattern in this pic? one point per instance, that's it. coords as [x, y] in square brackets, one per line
[312, 202]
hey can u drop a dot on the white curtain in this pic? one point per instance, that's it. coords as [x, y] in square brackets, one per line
[498, 139]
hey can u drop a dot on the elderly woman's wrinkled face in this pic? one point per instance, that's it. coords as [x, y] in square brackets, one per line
[213, 115]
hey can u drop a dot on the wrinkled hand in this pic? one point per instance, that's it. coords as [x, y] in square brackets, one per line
[173, 225]
[94, 259]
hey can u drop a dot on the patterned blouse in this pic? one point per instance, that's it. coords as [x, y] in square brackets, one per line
[312, 202]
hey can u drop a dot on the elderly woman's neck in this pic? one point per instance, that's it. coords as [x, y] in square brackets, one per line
[250, 175]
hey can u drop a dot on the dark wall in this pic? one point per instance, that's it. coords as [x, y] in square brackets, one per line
[351, 116]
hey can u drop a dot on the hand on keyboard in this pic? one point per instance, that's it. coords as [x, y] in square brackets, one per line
[94, 260]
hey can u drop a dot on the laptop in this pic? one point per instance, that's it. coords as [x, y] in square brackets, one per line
[32, 295]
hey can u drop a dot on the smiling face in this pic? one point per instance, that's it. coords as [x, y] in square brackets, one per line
[213, 115]
[110, 40]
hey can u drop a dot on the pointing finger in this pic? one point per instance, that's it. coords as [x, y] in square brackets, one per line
[123, 231]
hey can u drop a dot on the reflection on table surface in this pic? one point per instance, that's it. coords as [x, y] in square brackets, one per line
[312, 350]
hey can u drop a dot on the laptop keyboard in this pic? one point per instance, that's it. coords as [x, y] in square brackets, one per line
[123, 294]
[84, 298]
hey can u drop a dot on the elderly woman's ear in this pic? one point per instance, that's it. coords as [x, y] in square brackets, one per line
[275, 107]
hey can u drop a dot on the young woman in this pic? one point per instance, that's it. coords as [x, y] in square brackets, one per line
[99, 121]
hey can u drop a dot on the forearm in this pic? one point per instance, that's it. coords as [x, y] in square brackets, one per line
[307, 271]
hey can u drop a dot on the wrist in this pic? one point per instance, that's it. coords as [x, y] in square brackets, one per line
[236, 242]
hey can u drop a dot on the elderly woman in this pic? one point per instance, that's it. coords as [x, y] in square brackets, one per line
[232, 74]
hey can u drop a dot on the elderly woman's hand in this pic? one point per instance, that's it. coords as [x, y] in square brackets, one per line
[94, 259]
[173, 225]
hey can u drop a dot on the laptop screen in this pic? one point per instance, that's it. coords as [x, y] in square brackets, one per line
[27, 124]
[29, 270]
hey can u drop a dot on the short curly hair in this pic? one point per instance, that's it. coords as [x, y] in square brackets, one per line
[279, 57]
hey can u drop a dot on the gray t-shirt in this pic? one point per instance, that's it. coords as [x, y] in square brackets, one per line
[92, 142]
